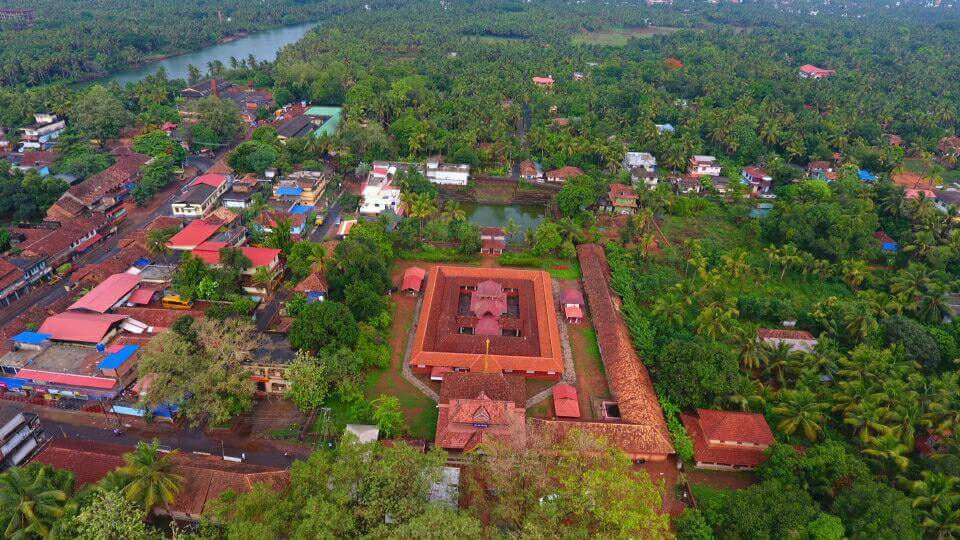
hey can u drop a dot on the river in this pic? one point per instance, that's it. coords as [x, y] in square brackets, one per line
[262, 45]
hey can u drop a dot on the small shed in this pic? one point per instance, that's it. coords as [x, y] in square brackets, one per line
[886, 243]
[572, 303]
[413, 280]
[565, 403]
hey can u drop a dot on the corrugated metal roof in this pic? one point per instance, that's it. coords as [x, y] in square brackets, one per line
[193, 234]
[79, 327]
[49, 377]
[118, 358]
[107, 294]
[31, 338]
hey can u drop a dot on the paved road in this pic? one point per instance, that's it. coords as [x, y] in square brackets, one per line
[74, 425]
[320, 233]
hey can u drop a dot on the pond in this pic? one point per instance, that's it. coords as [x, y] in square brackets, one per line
[494, 215]
[262, 45]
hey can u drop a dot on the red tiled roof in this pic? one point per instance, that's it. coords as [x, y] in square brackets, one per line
[194, 234]
[315, 282]
[573, 311]
[704, 452]
[755, 172]
[497, 386]
[528, 168]
[79, 327]
[142, 296]
[628, 378]
[158, 318]
[572, 296]
[124, 169]
[9, 274]
[735, 426]
[565, 402]
[565, 172]
[413, 278]
[492, 231]
[814, 70]
[205, 477]
[106, 294]
[883, 237]
[259, 256]
[493, 244]
[213, 180]
[782, 333]
[39, 158]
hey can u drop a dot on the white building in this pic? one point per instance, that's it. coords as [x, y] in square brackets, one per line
[641, 160]
[704, 166]
[378, 198]
[202, 196]
[439, 172]
[41, 134]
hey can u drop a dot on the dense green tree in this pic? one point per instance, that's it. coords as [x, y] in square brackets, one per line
[99, 114]
[323, 326]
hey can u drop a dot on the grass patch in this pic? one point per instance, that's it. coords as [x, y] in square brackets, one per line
[558, 268]
[287, 433]
[593, 348]
[540, 410]
[619, 37]
[433, 254]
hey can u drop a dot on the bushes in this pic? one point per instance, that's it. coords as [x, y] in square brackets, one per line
[681, 441]
[429, 253]
[522, 260]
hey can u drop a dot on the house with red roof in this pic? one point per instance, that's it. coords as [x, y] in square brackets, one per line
[479, 407]
[948, 150]
[821, 170]
[563, 173]
[571, 301]
[531, 171]
[728, 440]
[797, 340]
[413, 278]
[112, 292]
[12, 282]
[544, 82]
[493, 240]
[102, 192]
[315, 287]
[703, 166]
[205, 478]
[260, 257]
[202, 196]
[191, 236]
[565, 402]
[757, 178]
[621, 199]
[809, 71]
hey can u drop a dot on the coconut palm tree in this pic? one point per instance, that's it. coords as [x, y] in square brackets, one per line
[853, 272]
[33, 498]
[934, 489]
[717, 320]
[889, 450]
[943, 521]
[801, 410]
[152, 480]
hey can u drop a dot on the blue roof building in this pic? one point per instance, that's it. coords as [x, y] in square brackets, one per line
[866, 176]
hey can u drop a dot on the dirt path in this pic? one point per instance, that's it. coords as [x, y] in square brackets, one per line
[591, 381]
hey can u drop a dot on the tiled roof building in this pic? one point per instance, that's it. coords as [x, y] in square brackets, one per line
[728, 439]
[477, 407]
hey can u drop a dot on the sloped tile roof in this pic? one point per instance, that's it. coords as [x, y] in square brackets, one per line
[704, 452]
[783, 333]
[735, 426]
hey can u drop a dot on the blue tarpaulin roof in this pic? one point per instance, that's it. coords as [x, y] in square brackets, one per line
[289, 191]
[300, 209]
[117, 359]
[31, 338]
[11, 383]
[866, 176]
[142, 261]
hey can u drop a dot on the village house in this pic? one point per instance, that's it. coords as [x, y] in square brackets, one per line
[721, 184]
[310, 184]
[821, 170]
[42, 133]
[240, 194]
[544, 82]
[725, 440]
[202, 196]
[687, 184]
[412, 281]
[102, 192]
[797, 340]
[757, 178]
[438, 172]
[703, 166]
[641, 177]
[563, 173]
[378, 194]
[621, 199]
[313, 287]
[886, 242]
[12, 282]
[808, 71]
[260, 257]
[57, 243]
[34, 160]
[205, 88]
[267, 221]
[205, 478]
[639, 160]
[493, 240]
[531, 171]
[571, 302]
[948, 150]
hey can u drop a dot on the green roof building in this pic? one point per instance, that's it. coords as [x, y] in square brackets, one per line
[332, 114]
